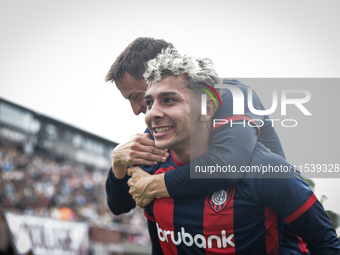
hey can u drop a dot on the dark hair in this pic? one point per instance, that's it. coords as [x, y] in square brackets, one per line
[134, 56]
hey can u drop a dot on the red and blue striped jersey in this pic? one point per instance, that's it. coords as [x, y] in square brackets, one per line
[246, 218]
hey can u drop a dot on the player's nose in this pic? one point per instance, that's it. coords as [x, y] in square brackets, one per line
[156, 111]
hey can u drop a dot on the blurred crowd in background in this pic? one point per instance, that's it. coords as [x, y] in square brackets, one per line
[42, 185]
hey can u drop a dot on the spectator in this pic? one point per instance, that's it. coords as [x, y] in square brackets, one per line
[38, 185]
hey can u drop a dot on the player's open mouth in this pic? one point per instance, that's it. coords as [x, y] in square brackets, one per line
[161, 130]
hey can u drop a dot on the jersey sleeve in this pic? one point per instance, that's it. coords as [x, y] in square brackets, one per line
[268, 136]
[294, 201]
[290, 197]
[119, 199]
[117, 193]
[315, 229]
[285, 191]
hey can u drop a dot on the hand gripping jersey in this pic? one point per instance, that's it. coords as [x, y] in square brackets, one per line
[246, 218]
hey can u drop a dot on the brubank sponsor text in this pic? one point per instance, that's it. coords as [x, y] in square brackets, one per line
[199, 240]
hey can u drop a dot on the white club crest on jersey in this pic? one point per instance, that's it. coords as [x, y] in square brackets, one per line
[219, 197]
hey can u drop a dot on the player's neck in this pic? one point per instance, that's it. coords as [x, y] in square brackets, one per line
[194, 148]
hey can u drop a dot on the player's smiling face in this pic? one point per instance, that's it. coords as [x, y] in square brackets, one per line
[168, 113]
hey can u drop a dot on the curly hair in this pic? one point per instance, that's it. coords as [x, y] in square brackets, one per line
[197, 70]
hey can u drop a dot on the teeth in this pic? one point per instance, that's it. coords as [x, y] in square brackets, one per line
[162, 129]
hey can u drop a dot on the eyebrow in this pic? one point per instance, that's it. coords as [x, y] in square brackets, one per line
[163, 94]
[130, 95]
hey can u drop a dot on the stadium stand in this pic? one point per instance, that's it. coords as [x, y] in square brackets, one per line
[52, 170]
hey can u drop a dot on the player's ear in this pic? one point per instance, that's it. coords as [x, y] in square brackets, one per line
[211, 109]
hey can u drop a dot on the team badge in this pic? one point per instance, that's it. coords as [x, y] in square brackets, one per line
[220, 199]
